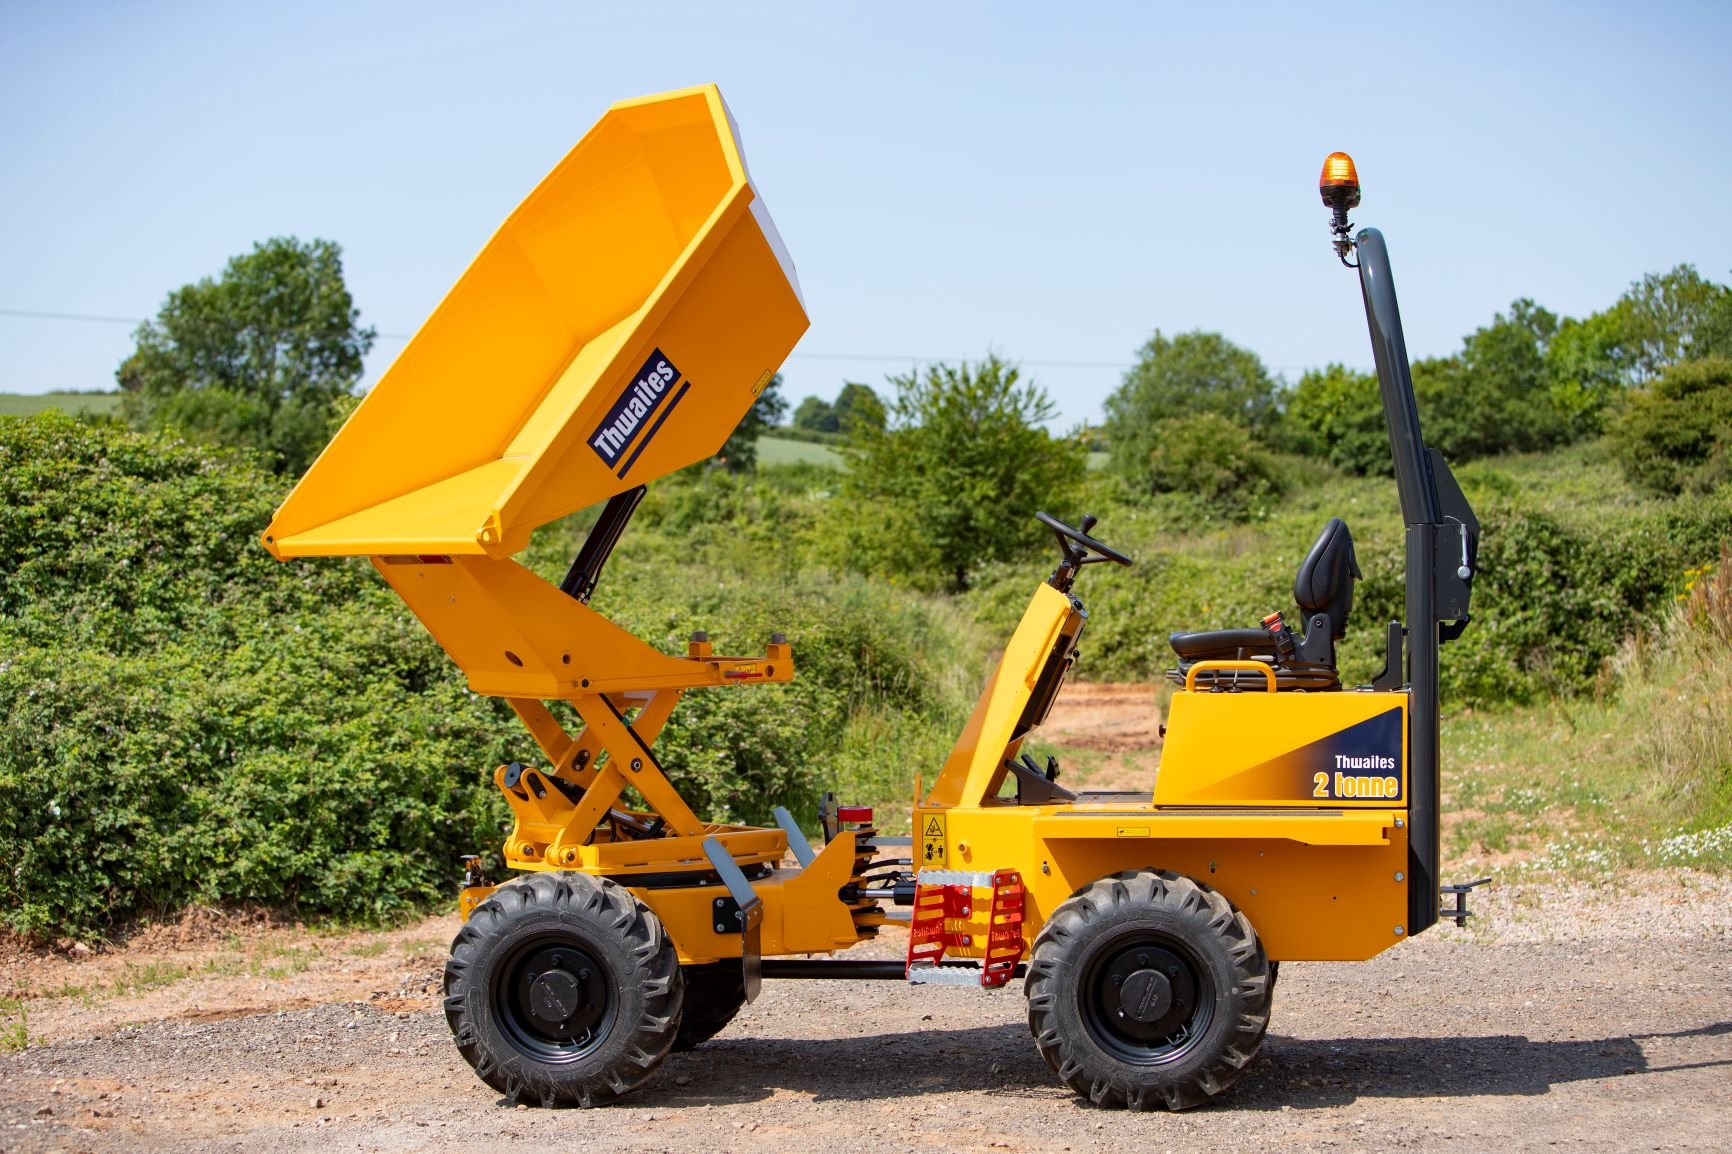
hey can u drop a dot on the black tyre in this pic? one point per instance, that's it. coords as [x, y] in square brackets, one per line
[1147, 989]
[714, 994]
[562, 989]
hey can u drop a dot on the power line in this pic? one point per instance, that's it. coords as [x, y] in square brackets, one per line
[888, 358]
[798, 356]
[884, 358]
[97, 318]
[70, 317]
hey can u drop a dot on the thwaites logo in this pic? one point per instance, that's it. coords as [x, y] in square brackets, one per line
[1359, 763]
[626, 429]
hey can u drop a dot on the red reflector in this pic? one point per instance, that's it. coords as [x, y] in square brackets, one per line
[853, 813]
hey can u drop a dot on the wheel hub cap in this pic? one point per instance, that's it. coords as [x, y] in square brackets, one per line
[1147, 995]
[554, 997]
[554, 1000]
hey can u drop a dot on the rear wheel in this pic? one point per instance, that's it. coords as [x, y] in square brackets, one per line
[562, 989]
[714, 994]
[1146, 989]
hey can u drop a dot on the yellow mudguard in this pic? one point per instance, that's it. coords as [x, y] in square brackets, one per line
[616, 328]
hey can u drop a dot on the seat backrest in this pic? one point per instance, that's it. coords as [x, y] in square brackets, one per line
[1325, 581]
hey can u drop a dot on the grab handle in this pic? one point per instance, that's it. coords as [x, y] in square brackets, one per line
[1201, 666]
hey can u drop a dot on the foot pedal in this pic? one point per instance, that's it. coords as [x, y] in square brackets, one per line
[946, 918]
[1459, 913]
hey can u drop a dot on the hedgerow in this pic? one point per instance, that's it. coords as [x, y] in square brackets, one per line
[184, 719]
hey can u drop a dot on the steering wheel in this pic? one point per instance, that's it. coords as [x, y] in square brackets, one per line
[1078, 547]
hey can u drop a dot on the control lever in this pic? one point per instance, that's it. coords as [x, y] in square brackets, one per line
[1035, 786]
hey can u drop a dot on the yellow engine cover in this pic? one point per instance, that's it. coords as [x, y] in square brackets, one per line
[1285, 749]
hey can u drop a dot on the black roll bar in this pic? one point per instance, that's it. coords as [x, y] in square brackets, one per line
[1423, 515]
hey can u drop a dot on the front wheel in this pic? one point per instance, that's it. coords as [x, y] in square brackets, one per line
[1148, 988]
[563, 989]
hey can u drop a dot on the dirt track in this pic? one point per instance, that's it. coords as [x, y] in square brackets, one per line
[1576, 1019]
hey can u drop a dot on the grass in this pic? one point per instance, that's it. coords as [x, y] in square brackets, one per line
[1639, 775]
[26, 404]
[270, 961]
[140, 979]
[14, 1035]
[774, 451]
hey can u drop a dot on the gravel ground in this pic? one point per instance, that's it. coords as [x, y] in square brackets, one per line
[1595, 1018]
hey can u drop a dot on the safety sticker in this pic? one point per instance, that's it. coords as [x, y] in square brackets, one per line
[932, 841]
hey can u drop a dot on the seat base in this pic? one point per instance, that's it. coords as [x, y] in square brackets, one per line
[1295, 675]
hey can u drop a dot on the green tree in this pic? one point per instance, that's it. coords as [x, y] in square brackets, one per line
[1676, 434]
[1495, 396]
[1196, 372]
[1589, 362]
[817, 415]
[955, 477]
[261, 357]
[1675, 316]
[740, 451]
[1336, 413]
[858, 406]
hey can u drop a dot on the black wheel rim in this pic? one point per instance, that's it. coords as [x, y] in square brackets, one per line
[553, 1000]
[1146, 998]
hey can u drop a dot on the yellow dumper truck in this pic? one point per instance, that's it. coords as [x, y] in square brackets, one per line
[615, 329]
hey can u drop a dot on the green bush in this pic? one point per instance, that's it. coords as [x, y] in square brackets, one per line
[1214, 460]
[1676, 435]
[187, 720]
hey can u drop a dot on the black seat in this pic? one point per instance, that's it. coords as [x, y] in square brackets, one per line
[1323, 589]
[1231, 644]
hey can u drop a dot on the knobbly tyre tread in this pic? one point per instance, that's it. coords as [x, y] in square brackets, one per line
[648, 985]
[715, 992]
[1242, 1014]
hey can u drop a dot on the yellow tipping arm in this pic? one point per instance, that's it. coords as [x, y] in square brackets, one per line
[616, 328]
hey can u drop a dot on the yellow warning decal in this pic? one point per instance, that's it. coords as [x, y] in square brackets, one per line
[932, 841]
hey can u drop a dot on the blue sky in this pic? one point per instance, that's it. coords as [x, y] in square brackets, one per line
[1050, 181]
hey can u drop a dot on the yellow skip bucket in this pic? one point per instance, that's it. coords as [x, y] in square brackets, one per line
[616, 328]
